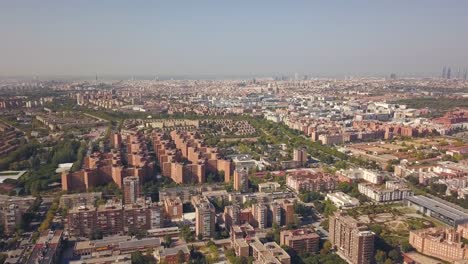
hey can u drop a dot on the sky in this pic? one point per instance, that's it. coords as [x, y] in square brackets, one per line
[232, 38]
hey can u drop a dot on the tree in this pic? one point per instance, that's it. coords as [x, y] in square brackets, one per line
[388, 261]
[96, 234]
[302, 210]
[389, 167]
[180, 257]
[377, 229]
[394, 255]
[413, 179]
[330, 208]
[138, 233]
[167, 241]
[439, 188]
[326, 247]
[341, 164]
[345, 187]
[3, 257]
[308, 197]
[274, 235]
[138, 258]
[186, 234]
[380, 256]
[406, 246]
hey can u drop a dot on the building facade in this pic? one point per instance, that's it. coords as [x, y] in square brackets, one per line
[353, 240]
[301, 240]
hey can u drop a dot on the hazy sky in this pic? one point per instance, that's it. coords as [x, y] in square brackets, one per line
[219, 37]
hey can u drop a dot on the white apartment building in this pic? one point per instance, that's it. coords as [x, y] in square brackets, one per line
[342, 200]
[393, 191]
[364, 174]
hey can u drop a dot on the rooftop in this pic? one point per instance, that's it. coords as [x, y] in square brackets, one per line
[444, 208]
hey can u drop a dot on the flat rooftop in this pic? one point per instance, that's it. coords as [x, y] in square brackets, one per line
[444, 208]
[10, 175]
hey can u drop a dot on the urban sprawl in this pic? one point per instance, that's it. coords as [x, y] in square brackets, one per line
[265, 170]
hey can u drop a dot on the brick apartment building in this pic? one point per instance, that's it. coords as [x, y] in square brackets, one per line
[301, 240]
[173, 208]
[131, 189]
[114, 218]
[103, 168]
[184, 157]
[311, 181]
[443, 243]
[260, 215]
[241, 180]
[353, 240]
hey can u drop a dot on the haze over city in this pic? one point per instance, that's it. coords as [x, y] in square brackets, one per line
[232, 38]
[233, 132]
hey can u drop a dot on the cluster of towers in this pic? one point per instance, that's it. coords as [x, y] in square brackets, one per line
[447, 74]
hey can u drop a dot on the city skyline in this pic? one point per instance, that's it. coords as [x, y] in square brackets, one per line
[197, 132]
[207, 38]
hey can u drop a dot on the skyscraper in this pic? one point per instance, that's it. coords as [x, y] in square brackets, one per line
[204, 217]
[132, 189]
[444, 72]
[241, 179]
[449, 71]
[465, 75]
[260, 215]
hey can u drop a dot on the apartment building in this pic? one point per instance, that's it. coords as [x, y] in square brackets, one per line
[443, 243]
[131, 189]
[301, 240]
[114, 218]
[12, 209]
[241, 180]
[260, 215]
[103, 168]
[393, 191]
[9, 138]
[268, 187]
[173, 208]
[269, 252]
[185, 158]
[300, 156]
[311, 182]
[353, 240]
[331, 139]
[352, 175]
[77, 199]
[204, 217]
[231, 215]
[170, 255]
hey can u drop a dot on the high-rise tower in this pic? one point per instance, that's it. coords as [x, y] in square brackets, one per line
[353, 240]
[132, 189]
